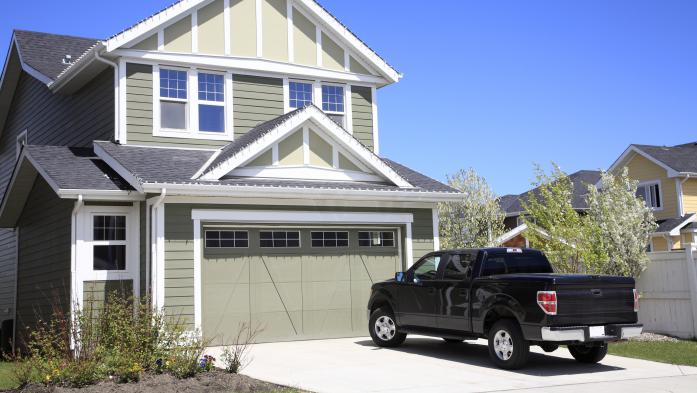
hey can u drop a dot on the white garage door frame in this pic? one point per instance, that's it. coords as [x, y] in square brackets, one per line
[286, 217]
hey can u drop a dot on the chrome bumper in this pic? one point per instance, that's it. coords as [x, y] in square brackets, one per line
[591, 333]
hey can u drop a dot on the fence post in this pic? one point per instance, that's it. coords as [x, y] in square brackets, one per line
[692, 282]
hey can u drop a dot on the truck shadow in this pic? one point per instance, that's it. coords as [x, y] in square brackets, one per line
[477, 354]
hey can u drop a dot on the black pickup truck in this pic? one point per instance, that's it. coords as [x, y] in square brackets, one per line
[511, 297]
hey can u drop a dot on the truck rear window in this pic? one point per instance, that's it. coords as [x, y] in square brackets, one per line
[515, 263]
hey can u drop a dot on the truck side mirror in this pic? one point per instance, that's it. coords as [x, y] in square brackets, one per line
[399, 276]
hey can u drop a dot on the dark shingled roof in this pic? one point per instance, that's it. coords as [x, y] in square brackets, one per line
[73, 168]
[45, 52]
[580, 180]
[177, 166]
[672, 223]
[248, 138]
[506, 201]
[682, 158]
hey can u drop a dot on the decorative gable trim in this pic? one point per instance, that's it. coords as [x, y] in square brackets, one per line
[290, 125]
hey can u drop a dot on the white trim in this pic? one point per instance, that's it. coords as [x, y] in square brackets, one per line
[633, 149]
[658, 183]
[318, 42]
[305, 172]
[159, 248]
[161, 40]
[348, 109]
[286, 95]
[121, 94]
[306, 146]
[376, 139]
[300, 217]
[289, 19]
[226, 24]
[21, 141]
[436, 229]
[511, 234]
[259, 31]
[320, 119]
[117, 167]
[198, 296]
[229, 108]
[274, 154]
[317, 93]
[194, 31]
[678, 190]
[408, 243]
[273, 201]
[248, 66]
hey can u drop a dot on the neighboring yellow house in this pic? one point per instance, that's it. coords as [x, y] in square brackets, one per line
[668, 183]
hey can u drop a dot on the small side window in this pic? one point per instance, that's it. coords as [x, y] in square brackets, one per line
[459, 267]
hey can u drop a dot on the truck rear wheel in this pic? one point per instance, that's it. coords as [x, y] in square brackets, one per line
[383, 328]
[507, 347]
[588, 354]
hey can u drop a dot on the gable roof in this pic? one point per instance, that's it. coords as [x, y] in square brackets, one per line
[672, 226]
[513, 204]
[264, 135]
[44, 52]
[676, 160]
[155, 168]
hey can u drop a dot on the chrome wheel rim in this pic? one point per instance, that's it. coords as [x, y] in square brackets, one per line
[385, 328]
[503, 345]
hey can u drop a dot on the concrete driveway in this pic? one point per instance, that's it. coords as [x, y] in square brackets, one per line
[425, 364]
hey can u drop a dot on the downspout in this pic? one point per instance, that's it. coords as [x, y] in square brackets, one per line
[117, 126]
[151, 257]
[74, 279]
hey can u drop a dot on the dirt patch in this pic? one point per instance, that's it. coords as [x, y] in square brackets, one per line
[215, 381]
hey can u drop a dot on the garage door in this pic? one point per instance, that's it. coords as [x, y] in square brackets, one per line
[293, 283]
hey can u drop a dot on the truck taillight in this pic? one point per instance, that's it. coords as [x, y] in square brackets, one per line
[547, 300]
[636, 300]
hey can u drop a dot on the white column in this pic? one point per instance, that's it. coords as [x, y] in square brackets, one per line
[197, 276]
[436, 229]
[409, 246]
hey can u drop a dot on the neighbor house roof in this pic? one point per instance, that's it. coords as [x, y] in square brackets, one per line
[513, 204]
[681, 158]
[166, 166]
[45, 52]
[672, 226]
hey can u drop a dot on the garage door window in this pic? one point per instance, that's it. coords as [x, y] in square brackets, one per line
[376, 239]
[329, 239]
[278, 239]
[227, 239]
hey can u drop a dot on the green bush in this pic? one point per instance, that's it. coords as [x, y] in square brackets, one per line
[119, 340]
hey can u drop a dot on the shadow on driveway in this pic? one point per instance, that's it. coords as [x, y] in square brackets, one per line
[478, 355]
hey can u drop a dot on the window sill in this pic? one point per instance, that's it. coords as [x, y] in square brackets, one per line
[186, 134]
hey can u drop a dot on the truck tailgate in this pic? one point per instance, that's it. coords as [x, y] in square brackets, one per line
[597, 300]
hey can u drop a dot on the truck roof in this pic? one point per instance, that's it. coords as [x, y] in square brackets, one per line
[494, 249]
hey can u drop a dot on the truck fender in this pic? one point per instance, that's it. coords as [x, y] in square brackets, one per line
[497, 307]
[381, 298]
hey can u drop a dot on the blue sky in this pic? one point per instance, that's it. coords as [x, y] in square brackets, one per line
[493, 85]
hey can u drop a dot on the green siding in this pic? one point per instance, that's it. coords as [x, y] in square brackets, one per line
[96, 293]
[362, 114]
[43, 282]
[255, 100]
[179, 254]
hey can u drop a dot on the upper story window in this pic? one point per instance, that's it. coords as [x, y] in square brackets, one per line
[333, 102]
[173, 99]
[651, 193]
[211, 107]
[300, 94]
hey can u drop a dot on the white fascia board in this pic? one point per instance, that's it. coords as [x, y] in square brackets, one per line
[321, 120]
[74, 69]
[216, 190]
[511, 234]
[676, 231]
[349, 38]
[304, 173]
[26, 67]
[101, 195]
[276, 216]
[247, 65]
[116, 166]
[271, 200]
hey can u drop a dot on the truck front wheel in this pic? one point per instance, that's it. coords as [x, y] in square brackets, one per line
[507, 347]
[588, 354]
[383, 328]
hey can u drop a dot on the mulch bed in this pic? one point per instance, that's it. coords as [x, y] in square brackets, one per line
[214, 381]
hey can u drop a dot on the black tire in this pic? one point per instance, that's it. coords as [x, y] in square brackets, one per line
[588, 354]
[453, 340]
[508, 348]
[386, 333]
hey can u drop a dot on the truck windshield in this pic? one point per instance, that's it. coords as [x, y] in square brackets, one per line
[510, 263]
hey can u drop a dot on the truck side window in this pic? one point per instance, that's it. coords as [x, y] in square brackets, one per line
[427, 269]
[458, 267]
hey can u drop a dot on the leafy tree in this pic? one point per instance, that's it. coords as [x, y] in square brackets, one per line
[474, 221]
[553, 224]
[622, 224]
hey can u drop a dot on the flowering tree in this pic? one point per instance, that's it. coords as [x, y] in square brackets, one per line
[474, 221]
[622, 225]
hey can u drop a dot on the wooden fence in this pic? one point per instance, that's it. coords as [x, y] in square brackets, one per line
[668, 293]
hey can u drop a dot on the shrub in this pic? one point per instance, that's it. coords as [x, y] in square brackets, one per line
[236, 355]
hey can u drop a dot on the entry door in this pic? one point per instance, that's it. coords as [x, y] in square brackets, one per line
[454, 293]
[419, 296]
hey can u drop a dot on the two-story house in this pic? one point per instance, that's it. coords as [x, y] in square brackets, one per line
[667, 178]
[220, 157]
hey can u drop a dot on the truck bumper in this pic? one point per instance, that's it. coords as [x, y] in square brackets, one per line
[591, 333]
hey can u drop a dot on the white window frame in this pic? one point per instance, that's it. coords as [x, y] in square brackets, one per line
[321, 101]
[382, 239]
[300, 243]
[205, 238]
[303, 81]
[647, 184]
[192, 110]
[22, 140]
[323, 232]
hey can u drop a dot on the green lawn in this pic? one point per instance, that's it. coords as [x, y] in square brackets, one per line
[683, 352]
[6, 377]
